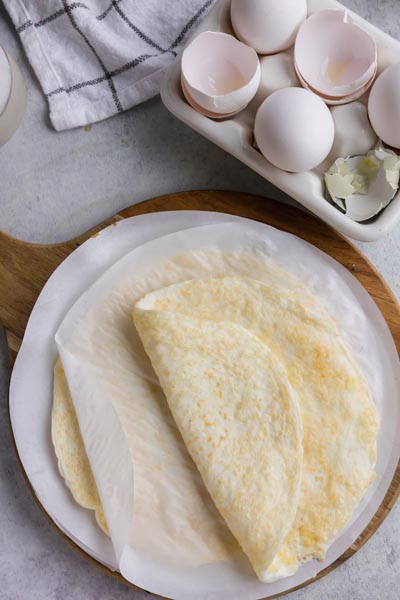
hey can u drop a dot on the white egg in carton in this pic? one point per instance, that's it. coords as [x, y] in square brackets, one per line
[235, 135]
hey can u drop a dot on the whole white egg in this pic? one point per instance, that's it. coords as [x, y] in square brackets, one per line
[268, 26]
[384, 106]
[294, 129]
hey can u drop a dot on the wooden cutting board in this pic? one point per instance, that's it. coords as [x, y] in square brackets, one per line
[25, 268]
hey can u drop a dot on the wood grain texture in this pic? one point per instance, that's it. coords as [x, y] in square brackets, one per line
[24, 269]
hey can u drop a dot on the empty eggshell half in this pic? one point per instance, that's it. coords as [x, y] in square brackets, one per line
[294, 129]
[220, 75]
[335, 57]
[269, 26]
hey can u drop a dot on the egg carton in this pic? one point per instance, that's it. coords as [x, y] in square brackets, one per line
[235, 135]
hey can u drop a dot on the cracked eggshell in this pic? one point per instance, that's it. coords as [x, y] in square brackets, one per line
[269, 26]
[220, 75]
[363, 186]
[384, 106]
[277, 72]
[294, 129]
[335, 57]
[353, 132]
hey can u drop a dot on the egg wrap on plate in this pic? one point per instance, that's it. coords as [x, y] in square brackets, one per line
[278, 354]
[337, 413]
[67, 440]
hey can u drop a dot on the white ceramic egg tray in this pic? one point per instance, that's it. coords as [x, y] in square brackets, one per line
[235, 135]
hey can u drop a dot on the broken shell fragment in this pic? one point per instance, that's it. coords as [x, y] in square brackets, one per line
[362, 186]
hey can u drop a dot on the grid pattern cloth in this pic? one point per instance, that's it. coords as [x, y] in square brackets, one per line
[97, 58]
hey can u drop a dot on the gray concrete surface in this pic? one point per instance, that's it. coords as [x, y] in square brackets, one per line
[56, 185]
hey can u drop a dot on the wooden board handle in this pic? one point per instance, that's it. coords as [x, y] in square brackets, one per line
[24, 269]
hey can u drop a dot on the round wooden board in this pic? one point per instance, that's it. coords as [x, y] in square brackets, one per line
[24, 269]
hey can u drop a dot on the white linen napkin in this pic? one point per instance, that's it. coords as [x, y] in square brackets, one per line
[96, 58]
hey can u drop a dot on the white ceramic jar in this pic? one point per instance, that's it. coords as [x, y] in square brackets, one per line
[12, 96]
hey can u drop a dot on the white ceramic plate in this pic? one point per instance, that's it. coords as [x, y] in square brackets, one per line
[235, 135]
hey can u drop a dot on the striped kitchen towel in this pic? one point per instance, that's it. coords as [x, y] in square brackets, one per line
[96, 58]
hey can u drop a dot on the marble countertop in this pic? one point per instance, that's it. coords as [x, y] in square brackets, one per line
[54, 186]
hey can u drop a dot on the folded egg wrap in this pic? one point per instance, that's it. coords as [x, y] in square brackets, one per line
[238, 417]
[337, 413]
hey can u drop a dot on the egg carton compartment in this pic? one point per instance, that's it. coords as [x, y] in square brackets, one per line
[235, 134]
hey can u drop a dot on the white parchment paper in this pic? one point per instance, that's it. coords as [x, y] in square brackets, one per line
[110, 299]
[366, 333]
